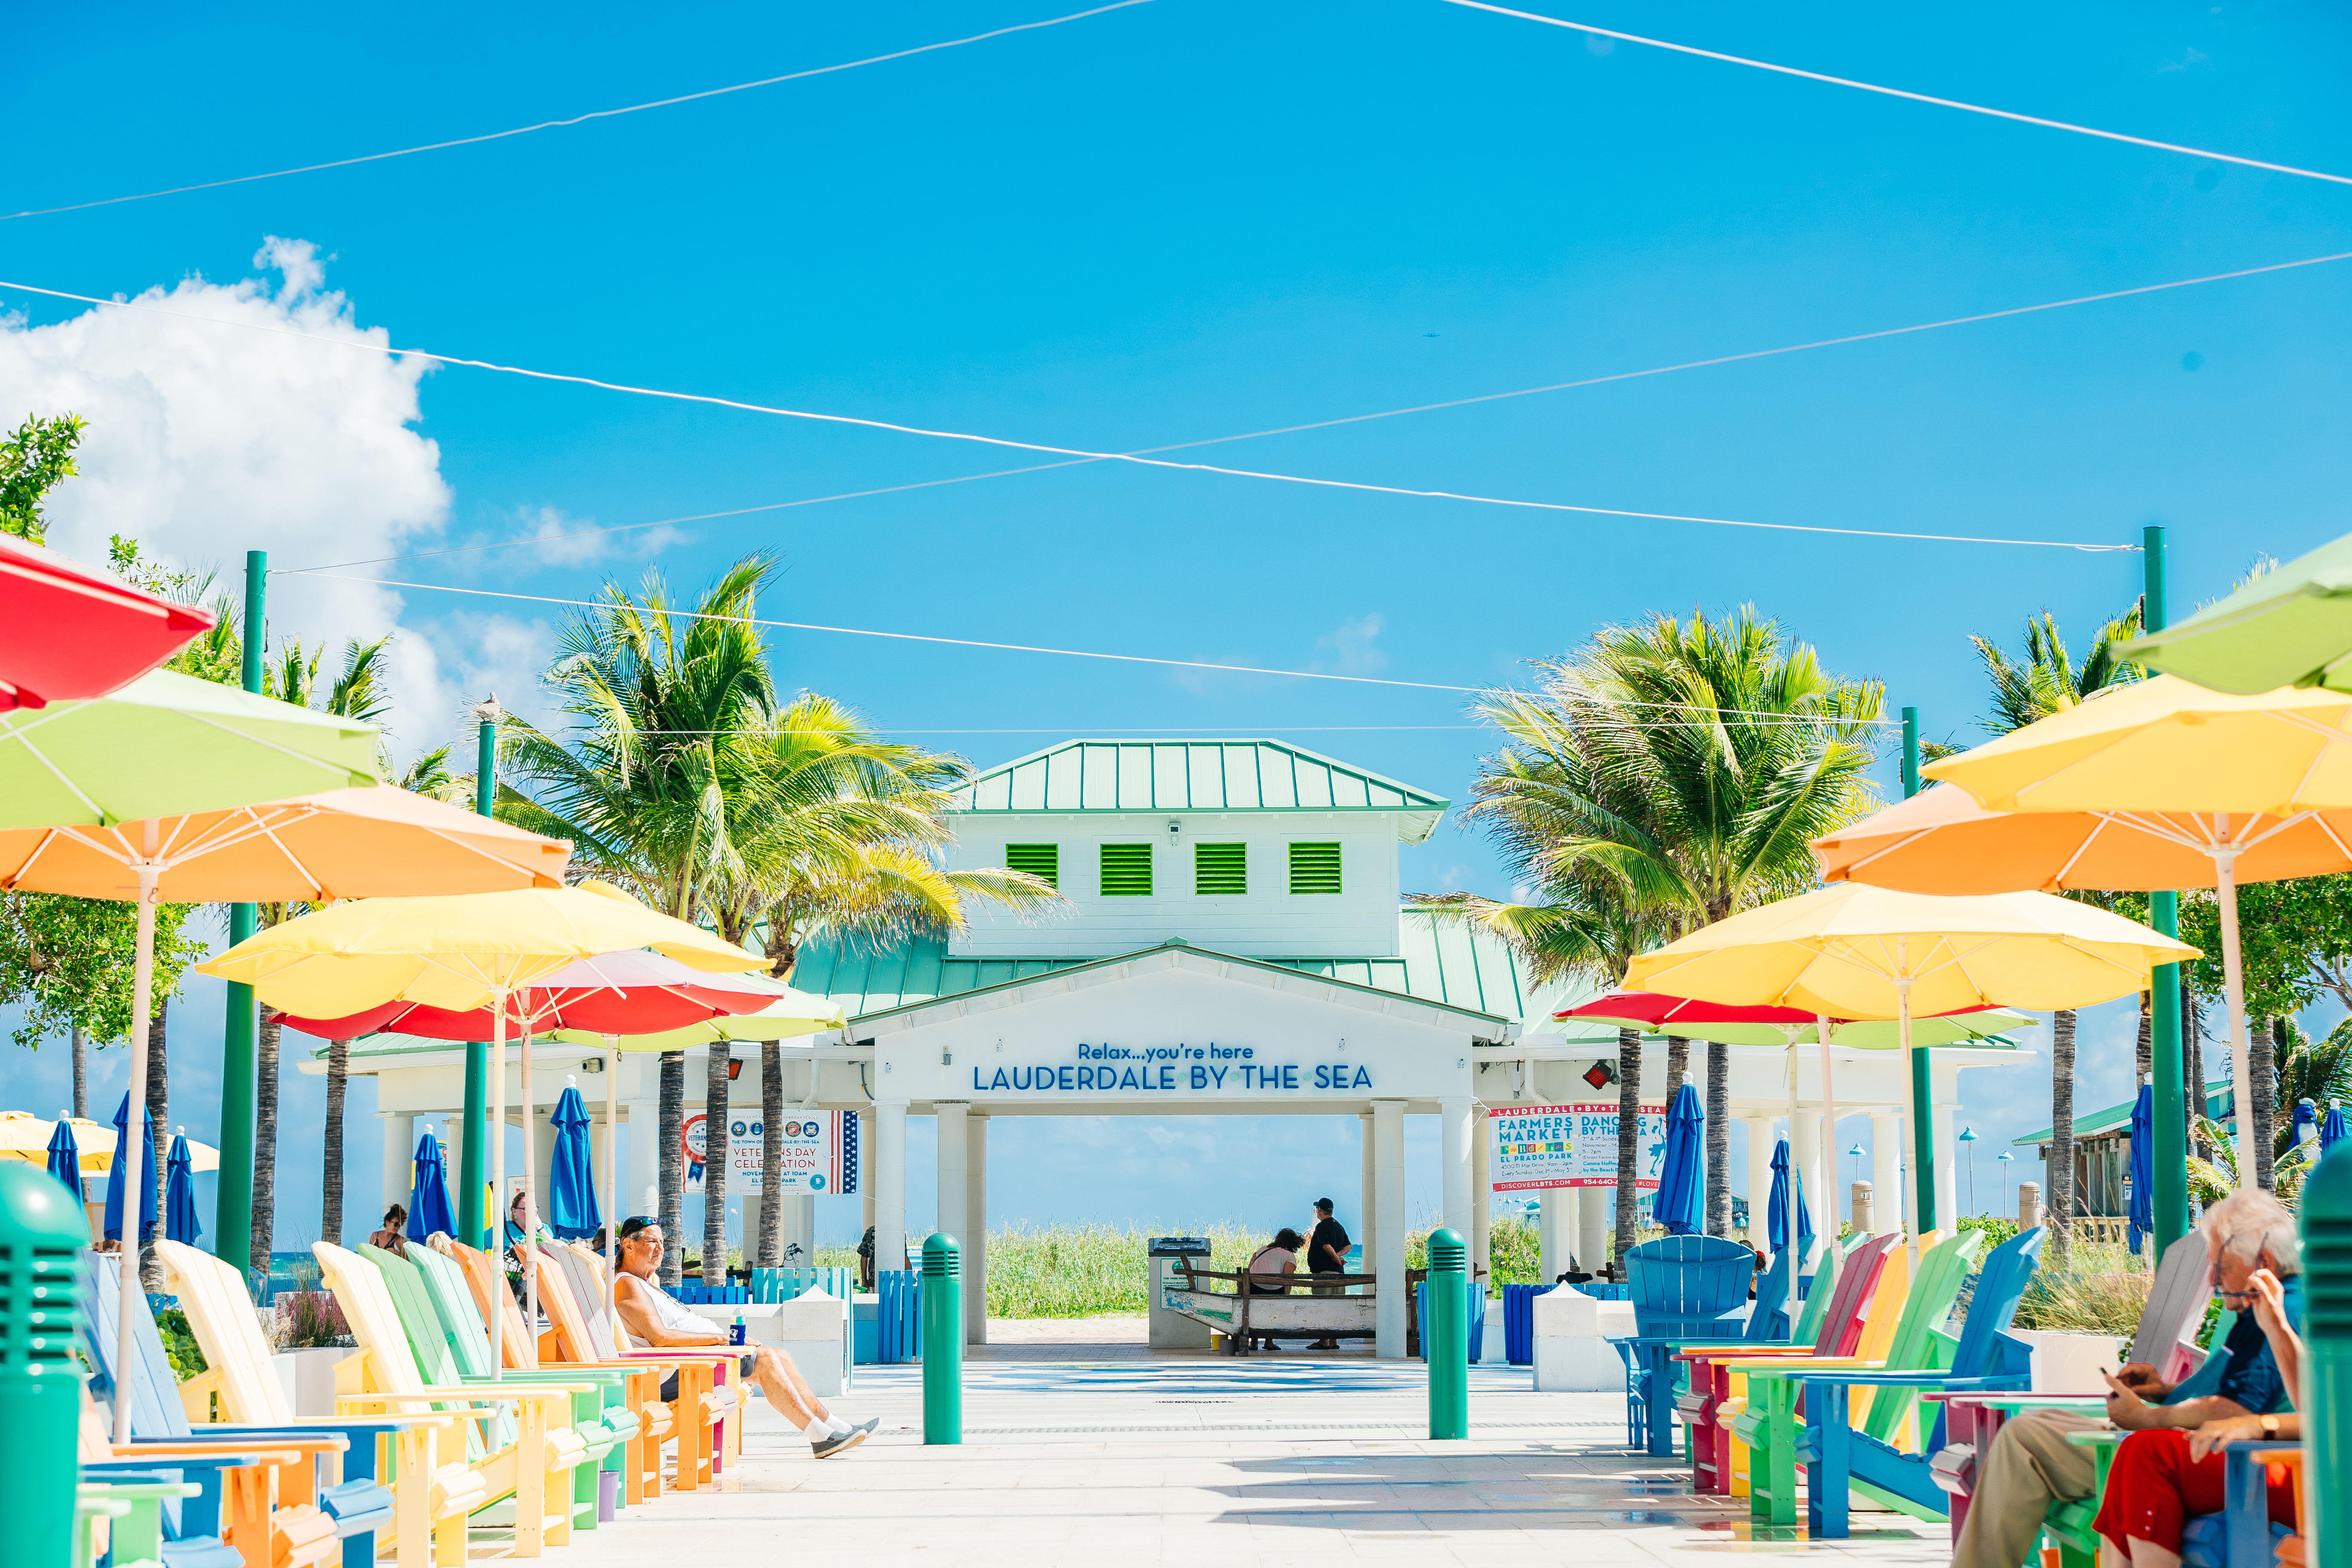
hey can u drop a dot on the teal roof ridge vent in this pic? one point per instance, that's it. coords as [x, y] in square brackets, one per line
[1205, 776]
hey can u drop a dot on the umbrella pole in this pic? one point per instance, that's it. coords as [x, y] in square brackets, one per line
[497, 1167]
[1796, 1243]
[531, 1203]
[612, 1189]
[1829, 1124]
[133, 1303]
[1923, 1105]
[2233, 987]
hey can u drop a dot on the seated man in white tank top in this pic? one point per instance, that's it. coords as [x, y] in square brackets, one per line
[656, 1319]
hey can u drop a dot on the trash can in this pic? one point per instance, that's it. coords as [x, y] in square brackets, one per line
[1164, 1256]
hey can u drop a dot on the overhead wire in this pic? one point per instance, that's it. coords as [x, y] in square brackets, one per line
[2046, 124]
[859, 422]
[1849, 338]
[579, 119]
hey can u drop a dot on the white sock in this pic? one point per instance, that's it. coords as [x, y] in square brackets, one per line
[841, 1427]
[818, 1430]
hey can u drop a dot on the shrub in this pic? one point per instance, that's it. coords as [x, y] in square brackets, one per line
[311, 1319]
[1996, 1229]
[180, 1347]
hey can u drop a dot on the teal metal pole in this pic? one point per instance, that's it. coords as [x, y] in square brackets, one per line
[1923, 1077]
[942, 1341]
[43, 1238]
[2327, 1397]
[1446, 1335]
[473, 1149]
[2171, 1150]
[240, 1033]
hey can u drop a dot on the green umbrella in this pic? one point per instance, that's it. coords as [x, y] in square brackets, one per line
[169, 745]
[2292, 626]
[1985, 1024]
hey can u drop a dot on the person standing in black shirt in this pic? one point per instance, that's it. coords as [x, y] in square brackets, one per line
[1326, 1253]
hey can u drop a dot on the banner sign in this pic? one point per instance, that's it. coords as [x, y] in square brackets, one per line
[1538, 1146]
[820, 1153]
[1177, 1070]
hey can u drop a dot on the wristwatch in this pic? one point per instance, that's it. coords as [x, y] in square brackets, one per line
[2270, 1425]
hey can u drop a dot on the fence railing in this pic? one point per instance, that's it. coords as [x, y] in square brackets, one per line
[897, 1317]
[773, 1285]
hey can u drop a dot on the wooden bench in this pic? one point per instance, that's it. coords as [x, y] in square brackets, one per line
[1302, 1307]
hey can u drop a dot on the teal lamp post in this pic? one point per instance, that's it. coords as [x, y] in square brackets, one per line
[1969, 1140]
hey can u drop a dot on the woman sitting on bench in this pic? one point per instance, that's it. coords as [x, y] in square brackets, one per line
[1273, 1260]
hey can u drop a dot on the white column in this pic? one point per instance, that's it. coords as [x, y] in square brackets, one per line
[796, 1222]
[1454, 1173]
[975, 1236]
[1887, 1168]
[1948, 1190]
[400, 1137]
[955, 1169]
[642, 1190]
[1555, 1230]
[1592, 1228]
[1388, 1225]
[1760, 1178]
[889, 1169]
[1805, 1153]
[1367, 1235]
[865, 1168]
[1482, 1195]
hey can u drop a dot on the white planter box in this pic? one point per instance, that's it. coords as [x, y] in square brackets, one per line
[1573, 1354]
[308, 1379]
[2069, 1361]
[814, 1330]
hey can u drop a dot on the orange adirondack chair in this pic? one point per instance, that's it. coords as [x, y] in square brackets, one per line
[689, 1419]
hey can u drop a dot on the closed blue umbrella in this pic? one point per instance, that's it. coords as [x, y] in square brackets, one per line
[179, 1222]
[2306, 1123]
[146, 1157]
[2333, 1129]
[571, 1211]
[2143, 1167]
[1775, 1218]
[65, 1157]
[1676, 1206]
[428, 1203]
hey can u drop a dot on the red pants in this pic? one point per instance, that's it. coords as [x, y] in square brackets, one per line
[2154, 1490]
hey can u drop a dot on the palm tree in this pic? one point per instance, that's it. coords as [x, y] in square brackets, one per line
[841, 835]
[1676, 770]
[2047, 681]
[655, 697]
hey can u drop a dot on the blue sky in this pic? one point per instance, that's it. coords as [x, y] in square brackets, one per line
[1184, 220]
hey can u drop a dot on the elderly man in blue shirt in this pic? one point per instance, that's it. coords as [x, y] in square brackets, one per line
[2031, 1465]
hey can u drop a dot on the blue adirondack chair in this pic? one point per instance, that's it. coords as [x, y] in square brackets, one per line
[357, 1504]
[1989, 1359]
[1681, 1287]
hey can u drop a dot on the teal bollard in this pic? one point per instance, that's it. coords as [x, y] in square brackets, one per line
[43, 1235]
[1447, 1334]
[942, 1341]
[2327, 1397]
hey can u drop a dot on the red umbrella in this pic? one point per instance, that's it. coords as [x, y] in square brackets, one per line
[631, 993]
[69, 632]
[1651, 1010]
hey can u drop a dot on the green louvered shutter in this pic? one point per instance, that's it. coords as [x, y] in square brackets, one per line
[1127, 870]
[1220, 870]
[1315, 868]
[1039, 861]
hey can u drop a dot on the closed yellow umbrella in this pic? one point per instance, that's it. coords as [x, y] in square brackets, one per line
[461, 953]
[2162, 773]
[1851, 950]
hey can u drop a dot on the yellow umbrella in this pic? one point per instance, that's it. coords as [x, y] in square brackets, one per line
[461, 953]
[1850, 950]
[94, 1141]
[2259, 787]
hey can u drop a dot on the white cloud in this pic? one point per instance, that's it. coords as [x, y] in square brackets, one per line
[567, 541]
[1354, 647]
[206, 441]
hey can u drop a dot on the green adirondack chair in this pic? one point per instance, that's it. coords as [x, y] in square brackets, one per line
[1922, 1343]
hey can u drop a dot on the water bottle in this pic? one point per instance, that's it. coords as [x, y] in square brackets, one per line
[735, 1336]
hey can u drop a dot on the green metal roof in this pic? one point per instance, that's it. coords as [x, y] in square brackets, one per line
[2116, 1118]
[1448, 964]
[1194, 776]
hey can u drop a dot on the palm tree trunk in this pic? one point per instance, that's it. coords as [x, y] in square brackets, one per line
[672, 1160]
[2060, 1205]
[331, 1217]
[80, 1074]
[714, 1164]
[2258, 1123]
[265, 1138]
[2144, 1053]
[771, 1150]
[159, 1103]
[1718, 1139]
[1629, 1140]
[2192, 1062]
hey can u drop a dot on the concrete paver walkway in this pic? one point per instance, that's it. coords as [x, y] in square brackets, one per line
[1213, 1461]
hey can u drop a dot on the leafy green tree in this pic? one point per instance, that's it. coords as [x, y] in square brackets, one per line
[34, 460]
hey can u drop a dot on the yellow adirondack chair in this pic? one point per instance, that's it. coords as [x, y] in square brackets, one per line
[434, 1488]
[534, 1470]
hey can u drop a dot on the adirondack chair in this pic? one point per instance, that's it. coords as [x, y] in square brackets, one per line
[2166, 1340]
[2240, 1536]
[1717, 1463]
[533, 1469]
[600, 1426]
[691, 1416]
[1915, 1339]
[123, 1522]
[711, 1389]
[276, 1514]
[1680, 1288]
[167, 1506]
[1838, 1459]
[239, 1385]
[1651, 1357]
